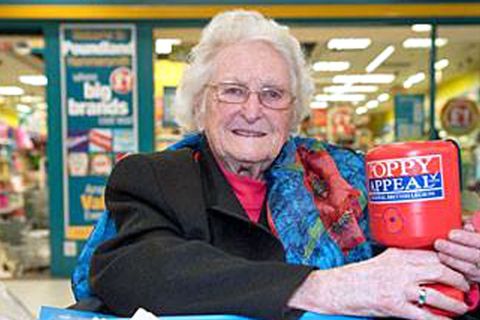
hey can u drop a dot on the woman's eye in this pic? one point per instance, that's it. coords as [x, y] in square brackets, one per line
[272, 94]
[234, 91]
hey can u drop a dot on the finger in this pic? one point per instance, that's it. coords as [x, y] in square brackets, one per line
[439, 300]
[443, 274]
[468, 238]
[411, 311]
[414, 311]
[465, 267]
[456, 250]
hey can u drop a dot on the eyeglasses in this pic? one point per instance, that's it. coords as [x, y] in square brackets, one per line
[269, 97]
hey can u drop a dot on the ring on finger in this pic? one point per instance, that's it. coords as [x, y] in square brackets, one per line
[422, 297]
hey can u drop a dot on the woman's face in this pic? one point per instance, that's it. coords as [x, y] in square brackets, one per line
[247, 133]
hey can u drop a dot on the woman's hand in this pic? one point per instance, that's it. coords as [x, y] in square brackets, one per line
[388, 285]
[461, 251]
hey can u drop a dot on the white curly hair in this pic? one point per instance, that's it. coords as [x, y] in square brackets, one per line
[226, 29]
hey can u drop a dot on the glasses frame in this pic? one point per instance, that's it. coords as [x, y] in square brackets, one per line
[249, 92]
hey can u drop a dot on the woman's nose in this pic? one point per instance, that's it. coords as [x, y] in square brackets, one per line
[252, 108]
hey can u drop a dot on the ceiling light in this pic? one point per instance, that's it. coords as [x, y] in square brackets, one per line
[380, 59]
[22, 48]
[440, 42]
[34, 80]
[11, 91]
[164, 46]
[346, 89]
[331, 66]
[361, 110]
[423, 42]
[421, 27]
[413, 80]
[364, 78]
[23, 108]
[340, 97]
[318, 105]
[383, 97]
[348, 43]
[441, 64]
[372, 104]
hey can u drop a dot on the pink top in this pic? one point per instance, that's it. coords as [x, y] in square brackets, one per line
[249, 192]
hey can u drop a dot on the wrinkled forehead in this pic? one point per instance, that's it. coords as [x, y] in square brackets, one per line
[253, 63]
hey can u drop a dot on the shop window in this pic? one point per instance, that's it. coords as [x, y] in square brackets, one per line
[457, 102]
[23, 129]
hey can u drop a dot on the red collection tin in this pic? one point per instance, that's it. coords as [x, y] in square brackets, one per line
[414, 192]
[414, 198]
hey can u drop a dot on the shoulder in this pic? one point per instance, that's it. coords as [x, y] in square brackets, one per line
[156, 159]
[145, 166]
[341, 155]
[350, 163]
[159, 157]
[345, 155]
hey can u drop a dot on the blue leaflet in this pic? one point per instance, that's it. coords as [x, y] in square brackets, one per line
[49, 313]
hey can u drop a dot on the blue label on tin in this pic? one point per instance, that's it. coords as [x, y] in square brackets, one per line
[410, 179]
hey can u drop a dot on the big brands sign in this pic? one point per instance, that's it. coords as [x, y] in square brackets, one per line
[99, 116]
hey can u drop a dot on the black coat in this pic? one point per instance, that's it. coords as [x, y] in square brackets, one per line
[186, 246]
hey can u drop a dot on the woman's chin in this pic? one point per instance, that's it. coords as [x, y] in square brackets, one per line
[249, 155]
[248, 150]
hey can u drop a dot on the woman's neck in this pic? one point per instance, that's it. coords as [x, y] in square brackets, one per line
[253, 170]
[246, 169]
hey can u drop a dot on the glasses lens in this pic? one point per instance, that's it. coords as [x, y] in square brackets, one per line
[232, 93]
[274, 98]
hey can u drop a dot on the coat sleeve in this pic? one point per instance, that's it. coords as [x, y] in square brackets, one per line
[151, 264]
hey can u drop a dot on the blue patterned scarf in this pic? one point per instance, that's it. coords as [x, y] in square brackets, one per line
[299, 225]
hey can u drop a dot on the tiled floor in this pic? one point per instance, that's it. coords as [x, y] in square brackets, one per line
[34, 293]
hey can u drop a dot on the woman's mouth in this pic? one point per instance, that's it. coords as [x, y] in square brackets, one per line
[248, 133]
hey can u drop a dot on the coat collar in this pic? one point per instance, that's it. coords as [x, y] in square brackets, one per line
[218, 193]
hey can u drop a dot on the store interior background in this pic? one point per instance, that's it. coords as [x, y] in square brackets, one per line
[359, 115]
[355, 114]
[23, 133]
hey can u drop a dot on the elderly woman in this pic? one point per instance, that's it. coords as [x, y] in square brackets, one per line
[243, 219]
